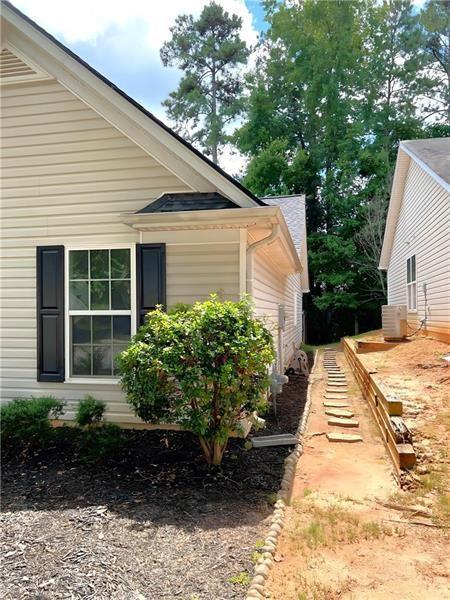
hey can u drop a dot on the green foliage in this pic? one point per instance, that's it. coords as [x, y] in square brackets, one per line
[26, 420]
[338, 85]
[208, 50]
[203, 368]
[90, 411]
[99, 442]
[243, 579]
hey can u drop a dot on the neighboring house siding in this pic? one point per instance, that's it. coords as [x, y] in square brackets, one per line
[423, 229]
[66, 176]
[270, 289]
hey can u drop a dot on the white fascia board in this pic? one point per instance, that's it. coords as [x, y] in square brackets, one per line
[395, 203]
[304, 275]
[197, 174]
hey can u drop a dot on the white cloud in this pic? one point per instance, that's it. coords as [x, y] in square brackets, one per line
[86, 20]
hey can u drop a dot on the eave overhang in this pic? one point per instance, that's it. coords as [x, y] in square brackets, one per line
[254, 219]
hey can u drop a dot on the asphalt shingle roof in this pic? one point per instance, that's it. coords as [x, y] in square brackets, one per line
[434, 152]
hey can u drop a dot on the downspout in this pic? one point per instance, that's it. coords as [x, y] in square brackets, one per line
[278, 379]
[251, 250]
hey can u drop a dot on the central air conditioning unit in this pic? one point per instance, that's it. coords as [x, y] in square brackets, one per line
[394, 322]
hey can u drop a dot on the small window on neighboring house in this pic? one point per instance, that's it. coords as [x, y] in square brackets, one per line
[100, 309]
[411, 283]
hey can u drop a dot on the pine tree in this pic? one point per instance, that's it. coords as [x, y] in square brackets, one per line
[209, 51]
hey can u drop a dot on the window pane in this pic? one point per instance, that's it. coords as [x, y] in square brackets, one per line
[78, 264]
[120, 295]
[120, 264]
[102, 360]
[413, 297]
[117, 348]
[121, 329]
[99, 264]
[408, 271]
[81, 360]
[99, 295]
[101, 330]
[413, 268]
[81, 330]
[78, 295]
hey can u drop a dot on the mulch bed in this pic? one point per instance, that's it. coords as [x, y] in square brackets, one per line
[152, 522]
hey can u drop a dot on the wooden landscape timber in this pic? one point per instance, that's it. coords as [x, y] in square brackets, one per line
[386, 409]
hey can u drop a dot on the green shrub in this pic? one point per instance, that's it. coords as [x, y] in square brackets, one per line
[90, 411]
[203, 367]
[26, 420]
[101, 441]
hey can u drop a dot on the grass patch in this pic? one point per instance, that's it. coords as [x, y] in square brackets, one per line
[325, 527]
[243, 578]
[271, 498]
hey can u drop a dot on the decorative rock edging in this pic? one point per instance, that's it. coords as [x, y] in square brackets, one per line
[265, 562]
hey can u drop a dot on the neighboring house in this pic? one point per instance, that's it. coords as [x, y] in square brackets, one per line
[416, 246]
[106, 213]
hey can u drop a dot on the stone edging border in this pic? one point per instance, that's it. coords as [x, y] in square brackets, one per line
[265, 563]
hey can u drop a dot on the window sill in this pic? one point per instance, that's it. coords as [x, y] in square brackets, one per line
[92, 380]
[412, 311]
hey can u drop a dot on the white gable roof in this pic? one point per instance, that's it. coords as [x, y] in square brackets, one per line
[177, 155]
[433, 156]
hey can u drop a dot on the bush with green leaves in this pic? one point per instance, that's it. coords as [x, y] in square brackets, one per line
[27, 420]
[90, 411]
[204, 367]
[104, 441]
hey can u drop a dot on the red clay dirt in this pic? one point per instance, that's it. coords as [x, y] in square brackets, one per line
[343, 539]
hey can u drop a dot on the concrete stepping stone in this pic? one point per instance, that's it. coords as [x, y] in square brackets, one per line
[333, 390]
[335, 404]
[339, 412]
[343, 422]
[343, 437]
[338, 384]
[336, 397]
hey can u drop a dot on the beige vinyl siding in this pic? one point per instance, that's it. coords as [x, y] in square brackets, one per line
[423, 229]
[270, 289]
[67, 174]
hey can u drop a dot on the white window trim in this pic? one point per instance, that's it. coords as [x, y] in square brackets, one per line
[67, 350]
[411, 283]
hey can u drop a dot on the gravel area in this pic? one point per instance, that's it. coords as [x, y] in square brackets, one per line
[150, 523]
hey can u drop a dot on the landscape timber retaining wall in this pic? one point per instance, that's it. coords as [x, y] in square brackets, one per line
[386, 409]
[265, 563]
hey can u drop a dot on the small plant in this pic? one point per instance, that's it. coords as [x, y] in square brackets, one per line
[259, 544]
[271, 498]
[90, 411]
[255, 556]
[371, 530]
[307, 492]
[243, 579]
[27, 420]
[102, 441]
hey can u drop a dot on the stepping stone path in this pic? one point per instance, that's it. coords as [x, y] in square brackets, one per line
[339, 412]
[335, 393]
[344, 437]
[343, 422]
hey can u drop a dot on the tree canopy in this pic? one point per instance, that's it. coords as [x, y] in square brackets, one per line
[208, 50]
[336, 86]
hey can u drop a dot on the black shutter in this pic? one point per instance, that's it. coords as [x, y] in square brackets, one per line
[50, 312]
[150, 278]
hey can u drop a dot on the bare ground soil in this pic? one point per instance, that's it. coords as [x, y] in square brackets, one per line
[151, 523]
[351, 533]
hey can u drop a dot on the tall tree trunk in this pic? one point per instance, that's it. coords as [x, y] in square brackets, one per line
[214, 124]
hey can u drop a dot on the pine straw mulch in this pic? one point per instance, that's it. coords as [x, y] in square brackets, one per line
[151, 523]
